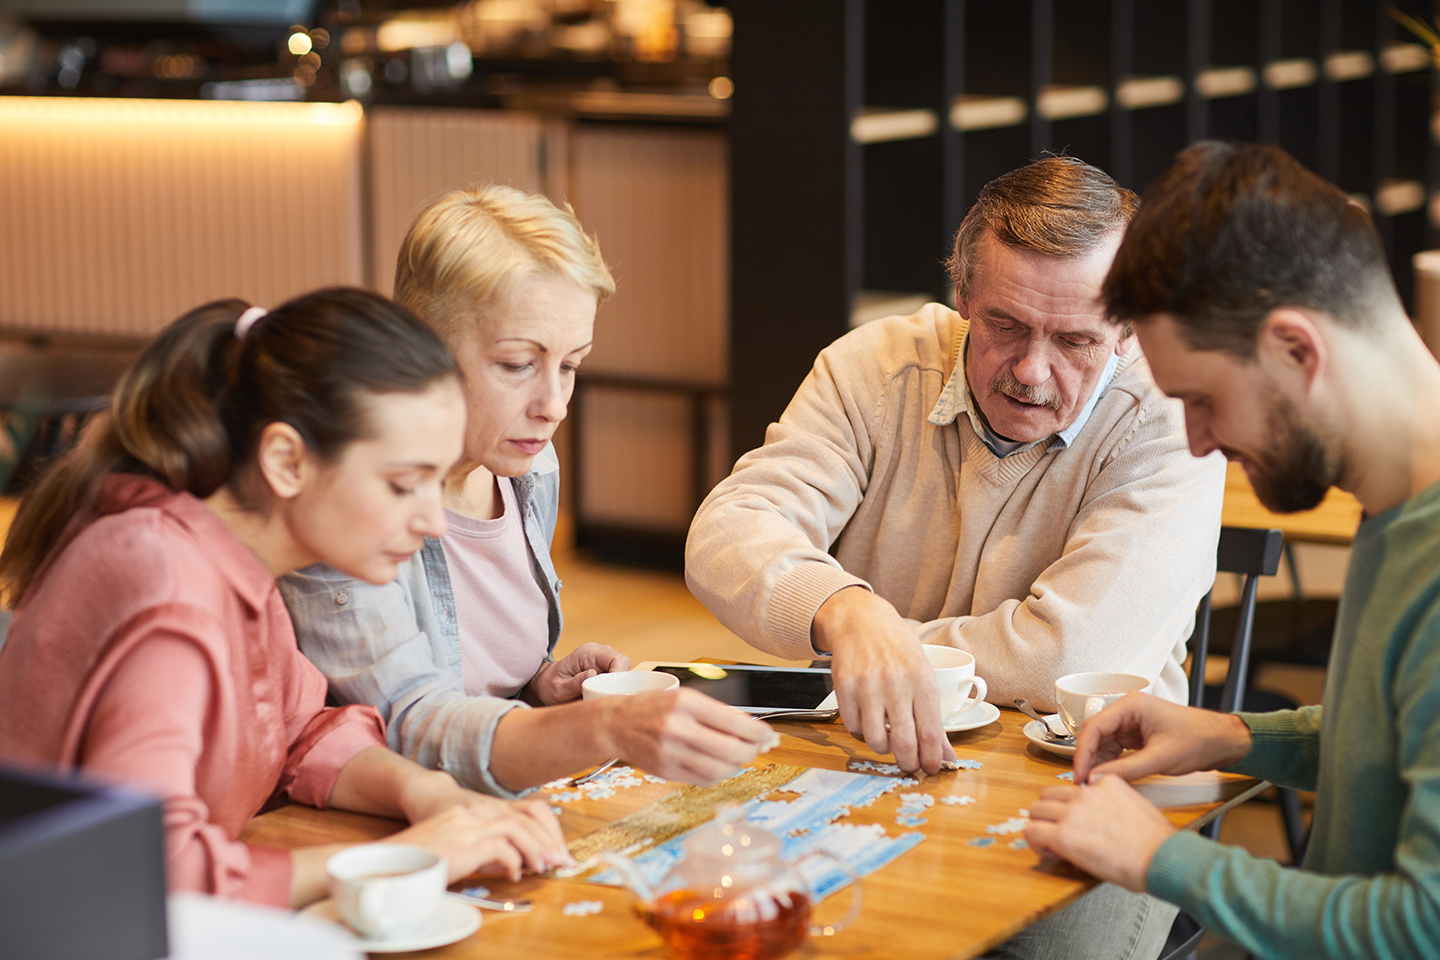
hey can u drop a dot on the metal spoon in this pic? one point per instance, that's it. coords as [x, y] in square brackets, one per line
[485, 903]
[800, 716]
[576, 781]
[1050, 735]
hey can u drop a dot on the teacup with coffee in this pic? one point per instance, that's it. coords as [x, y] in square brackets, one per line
[1082, 695]
[387, 890]
[960, 688]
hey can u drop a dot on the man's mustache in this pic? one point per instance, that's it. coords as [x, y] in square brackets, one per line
[1007, 384]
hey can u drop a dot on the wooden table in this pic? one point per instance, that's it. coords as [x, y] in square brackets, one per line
[944, 898]
[1333, 522]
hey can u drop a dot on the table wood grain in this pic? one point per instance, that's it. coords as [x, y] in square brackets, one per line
[944, 898]
[1333, 522]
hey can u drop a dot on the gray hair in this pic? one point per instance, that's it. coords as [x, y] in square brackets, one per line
[1058, 206]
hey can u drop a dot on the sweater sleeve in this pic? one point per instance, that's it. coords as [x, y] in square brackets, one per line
[1284, 747]
[156, 741]
[1275, 911]
[757, 553]
[1138, 557]
[367, 641]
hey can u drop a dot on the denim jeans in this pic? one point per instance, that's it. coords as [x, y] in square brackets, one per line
[1108, 923]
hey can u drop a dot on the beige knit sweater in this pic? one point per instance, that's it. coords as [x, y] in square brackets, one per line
[1044, 563]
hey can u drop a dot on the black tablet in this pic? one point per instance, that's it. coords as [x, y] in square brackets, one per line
[754, 689]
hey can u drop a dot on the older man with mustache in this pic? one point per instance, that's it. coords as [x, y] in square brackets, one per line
[1005, 479]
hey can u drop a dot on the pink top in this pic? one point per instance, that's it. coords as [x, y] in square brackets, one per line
[154, 648]
[502, 617]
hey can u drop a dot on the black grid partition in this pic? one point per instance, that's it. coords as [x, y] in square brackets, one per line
[861, 129]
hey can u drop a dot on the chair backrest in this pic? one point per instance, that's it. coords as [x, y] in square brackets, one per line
[1253, 553]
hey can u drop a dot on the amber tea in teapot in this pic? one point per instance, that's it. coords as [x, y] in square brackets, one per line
[732, 895]
[698, 927]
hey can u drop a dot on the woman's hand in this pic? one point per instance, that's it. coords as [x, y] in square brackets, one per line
[491, 836]
[559, 681]
[681, 735]
[475, 832]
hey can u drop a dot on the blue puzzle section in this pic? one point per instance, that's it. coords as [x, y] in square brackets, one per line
[806, 824]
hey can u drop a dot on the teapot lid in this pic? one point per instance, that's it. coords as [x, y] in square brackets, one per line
[730, 838]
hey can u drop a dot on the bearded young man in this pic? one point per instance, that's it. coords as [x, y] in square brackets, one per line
[1262, 298]
[1003, 478]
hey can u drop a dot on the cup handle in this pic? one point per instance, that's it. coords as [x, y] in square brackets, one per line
[371, 906]
[976, 694]
[830, 929]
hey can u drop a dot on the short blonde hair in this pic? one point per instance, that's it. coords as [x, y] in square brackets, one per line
[471, 248]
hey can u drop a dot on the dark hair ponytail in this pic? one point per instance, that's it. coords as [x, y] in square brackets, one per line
[189, 412]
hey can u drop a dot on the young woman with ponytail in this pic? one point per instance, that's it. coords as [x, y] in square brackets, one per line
[150, 644]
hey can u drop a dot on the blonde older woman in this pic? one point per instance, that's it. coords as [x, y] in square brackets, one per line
[511, 283]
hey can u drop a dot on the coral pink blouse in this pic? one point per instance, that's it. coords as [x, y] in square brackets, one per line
[154, 648]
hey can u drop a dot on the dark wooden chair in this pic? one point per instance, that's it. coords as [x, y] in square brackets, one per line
[1252, 554]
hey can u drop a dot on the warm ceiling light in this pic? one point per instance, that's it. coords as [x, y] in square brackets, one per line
[299, 43]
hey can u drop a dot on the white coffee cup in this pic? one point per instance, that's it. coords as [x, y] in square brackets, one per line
[385, 890]
[955, 676]
[1082, 695]
[627, 683]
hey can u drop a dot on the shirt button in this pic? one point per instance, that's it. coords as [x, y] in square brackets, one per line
[342, 598]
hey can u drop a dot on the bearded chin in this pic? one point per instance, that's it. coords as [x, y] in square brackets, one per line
[1298, 472]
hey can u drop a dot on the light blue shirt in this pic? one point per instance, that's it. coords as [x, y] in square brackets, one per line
[956, 397]
[396, 646]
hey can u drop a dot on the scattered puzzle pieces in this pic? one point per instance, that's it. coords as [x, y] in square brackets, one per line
[955, 800]
[910, 820]
[582, 908]
[980, 842]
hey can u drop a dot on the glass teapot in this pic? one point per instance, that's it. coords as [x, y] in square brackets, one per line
[733, 895]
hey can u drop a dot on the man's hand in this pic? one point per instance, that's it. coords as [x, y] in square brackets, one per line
[559, 681]
[1106, 829]
[681, 734]
[1166, 738]
[882, 677]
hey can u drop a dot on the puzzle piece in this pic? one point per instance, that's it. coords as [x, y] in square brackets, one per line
[651, 778]
[582, 908]
[1018, 844]
[963, 764]
[917, 800]
[955, 800]
[1013, 825]
[1067, 775]
[980, 842]
[910, 820]
[482, 892]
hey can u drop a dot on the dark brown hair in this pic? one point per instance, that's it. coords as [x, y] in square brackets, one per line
[1059, 206]
[1232, 231]
[189, 412]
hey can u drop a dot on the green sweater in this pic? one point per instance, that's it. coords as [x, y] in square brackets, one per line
[1370, 886]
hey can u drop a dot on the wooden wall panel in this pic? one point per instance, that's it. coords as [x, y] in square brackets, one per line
[118, 215]
[418, 153]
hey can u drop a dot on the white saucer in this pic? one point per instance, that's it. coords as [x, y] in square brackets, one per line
[978, 715]
[453, 921]
[1035, 733]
